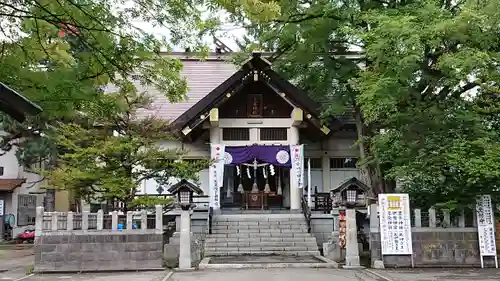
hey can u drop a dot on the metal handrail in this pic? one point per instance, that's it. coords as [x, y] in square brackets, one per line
[210, 217]
[307, 213]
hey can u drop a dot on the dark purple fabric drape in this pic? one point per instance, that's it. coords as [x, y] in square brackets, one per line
[278, 155]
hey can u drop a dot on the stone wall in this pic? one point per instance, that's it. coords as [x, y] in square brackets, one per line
[78, 251]
[61, 248]
[321, 227]
[447, 247]
[439, 242]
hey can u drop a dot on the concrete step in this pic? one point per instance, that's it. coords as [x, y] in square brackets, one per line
[259, 217]
[238, 211]
[309, 239]
[245, 226]
[281, 245]
[261, 253]
[260, 230]
[249, 249]
[258, 223]
[260, 234]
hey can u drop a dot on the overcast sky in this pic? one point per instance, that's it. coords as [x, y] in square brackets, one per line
[228, 34]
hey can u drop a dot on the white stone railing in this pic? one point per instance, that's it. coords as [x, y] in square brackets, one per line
[70, 221]
[433, 219]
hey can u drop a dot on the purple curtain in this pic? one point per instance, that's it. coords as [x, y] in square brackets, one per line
[278, 155]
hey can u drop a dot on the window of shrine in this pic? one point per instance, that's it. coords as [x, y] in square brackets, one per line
[235, 134]
[273, 134]
[343, 162]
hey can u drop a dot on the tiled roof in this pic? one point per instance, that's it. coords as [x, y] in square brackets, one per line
[16, 105]
[10, 184]
[202, 77]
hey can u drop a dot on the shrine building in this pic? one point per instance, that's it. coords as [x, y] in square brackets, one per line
[265, 133]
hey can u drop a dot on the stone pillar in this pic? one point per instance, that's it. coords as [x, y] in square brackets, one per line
[294, 189]
[39, 221]
[159, 218]
[114, 220]
[375, 246]
[54, 224]
[418, 217]
[215, 135]
[331, 248]
[130, 220]
[2, 216]
[185, 240]
[352, 248]
[144, 220]
[85, 220]
[100, 220]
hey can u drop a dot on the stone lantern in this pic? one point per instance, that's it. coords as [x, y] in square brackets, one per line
[348, 198]
[352, 193]
[184, 191]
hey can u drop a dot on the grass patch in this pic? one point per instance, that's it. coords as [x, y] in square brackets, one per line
[29, 270]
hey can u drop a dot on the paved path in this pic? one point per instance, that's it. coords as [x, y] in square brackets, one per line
[13, 274]
[292, 274]
[123, 276]
[275, 274]
[13, 259]
[440, 274]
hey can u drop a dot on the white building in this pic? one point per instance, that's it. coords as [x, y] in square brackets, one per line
[20, 192]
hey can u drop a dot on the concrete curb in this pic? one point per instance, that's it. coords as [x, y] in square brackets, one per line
[377, 275]
[24, 277]
[167, 276]
[204, 262]
[267, 265]
[327, 260]
[327, 263]
[97, 271]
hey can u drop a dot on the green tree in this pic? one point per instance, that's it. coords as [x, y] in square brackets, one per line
[312, 41]
[436, 97]
[62, 54]
[107, 163]
[410, 94]
[74, 58]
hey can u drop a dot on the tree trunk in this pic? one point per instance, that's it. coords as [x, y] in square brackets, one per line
[369, 172]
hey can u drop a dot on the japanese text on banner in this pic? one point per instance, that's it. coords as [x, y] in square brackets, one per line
[297, 152]
[216, 174]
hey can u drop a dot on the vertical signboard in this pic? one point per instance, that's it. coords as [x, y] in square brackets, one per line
[342, 230]
[395, 224]
[216, 174]
[486, 228]
[297, 152]
[1, 219]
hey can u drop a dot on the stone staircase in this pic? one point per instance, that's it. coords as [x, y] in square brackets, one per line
[260, 234]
